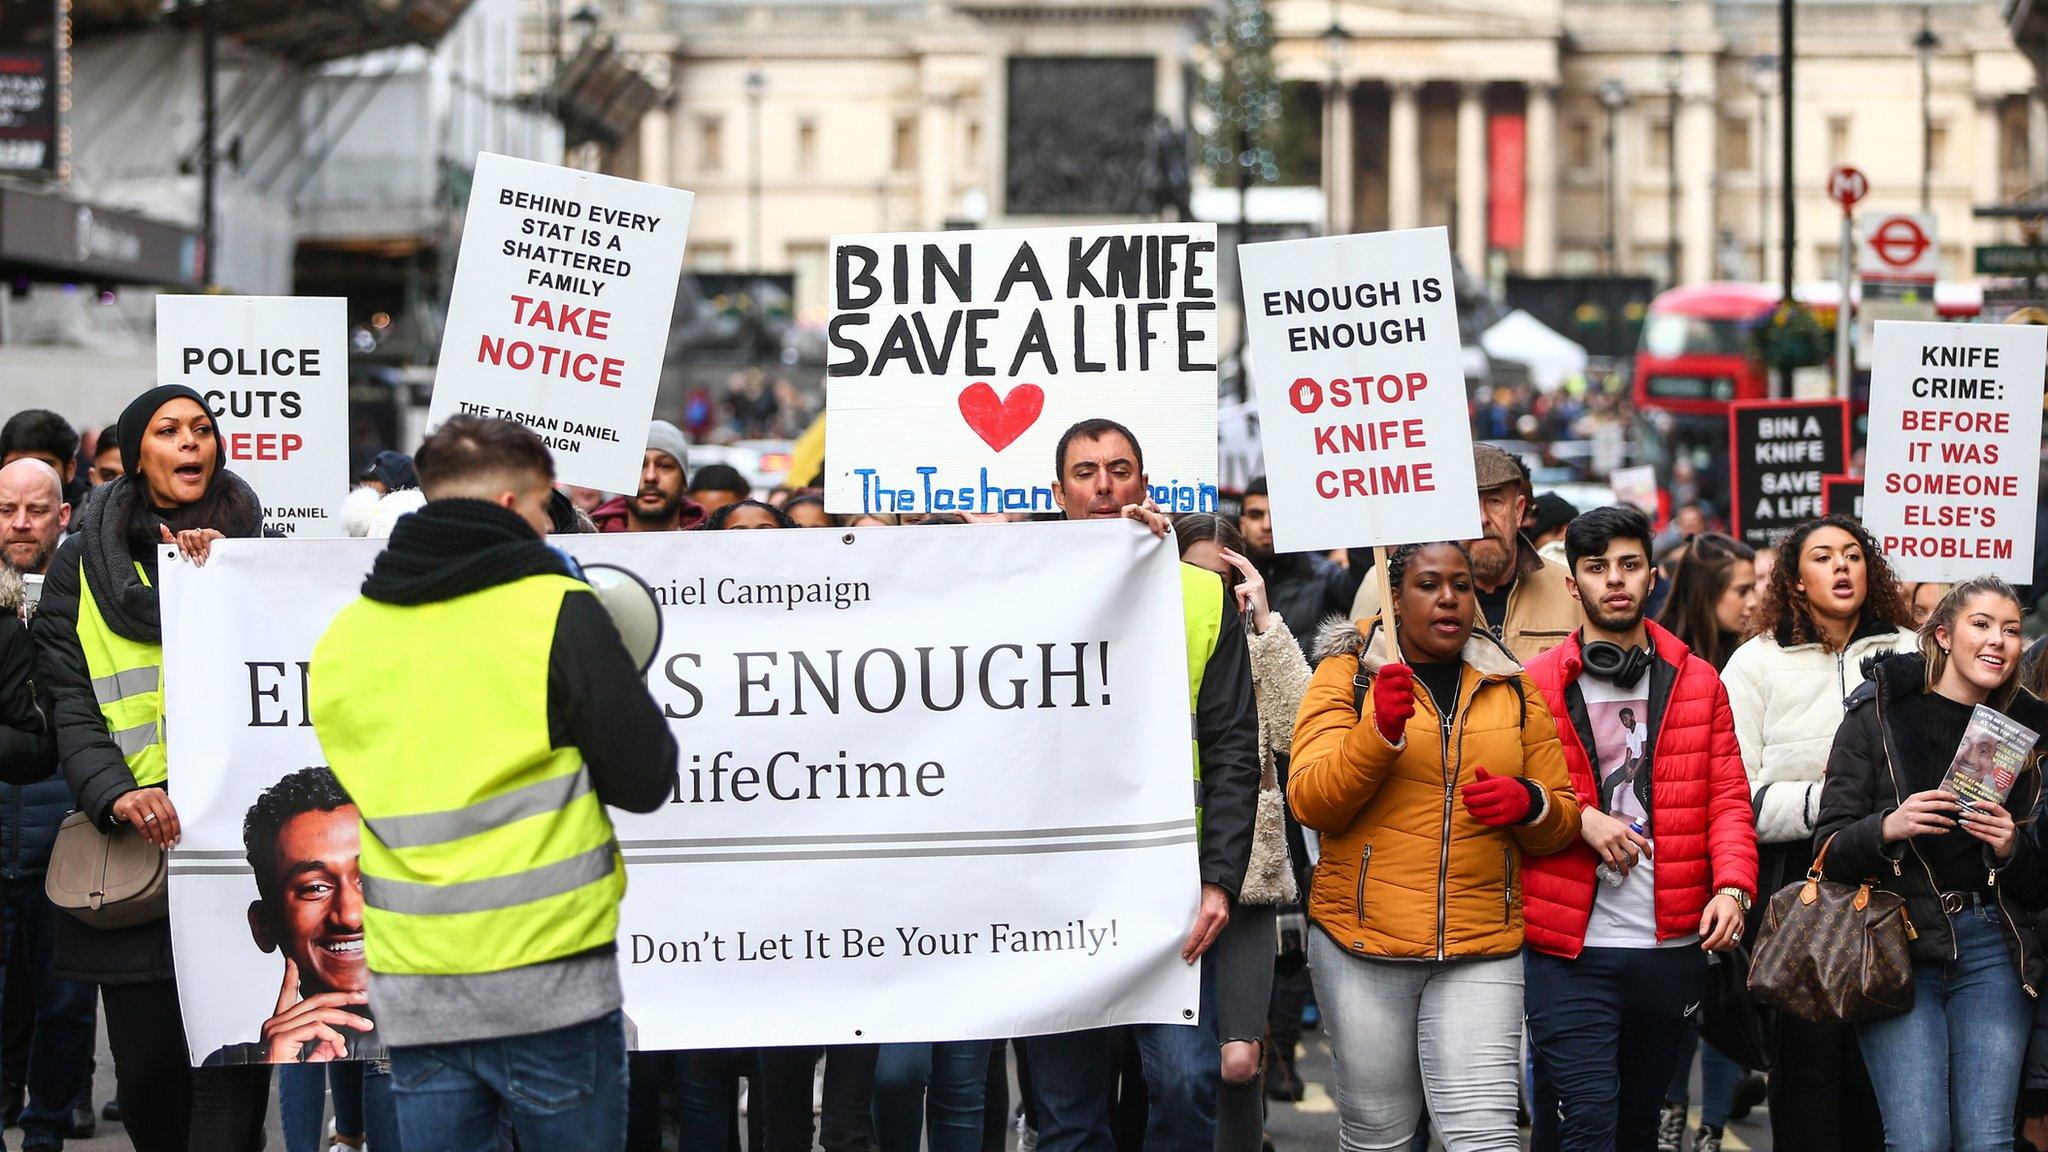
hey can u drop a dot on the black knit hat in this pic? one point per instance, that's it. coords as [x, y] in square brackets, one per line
[140, 411]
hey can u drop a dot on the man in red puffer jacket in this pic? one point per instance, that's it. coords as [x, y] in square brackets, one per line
[1665, 870]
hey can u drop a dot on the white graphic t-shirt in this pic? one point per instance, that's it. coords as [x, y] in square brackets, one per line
[1624, 915]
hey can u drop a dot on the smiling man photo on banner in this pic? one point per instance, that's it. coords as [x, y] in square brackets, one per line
[302, 843]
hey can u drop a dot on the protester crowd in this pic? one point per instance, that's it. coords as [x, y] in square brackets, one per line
[1510, 809]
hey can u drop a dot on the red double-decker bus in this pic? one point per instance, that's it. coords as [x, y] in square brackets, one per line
[1699, 349]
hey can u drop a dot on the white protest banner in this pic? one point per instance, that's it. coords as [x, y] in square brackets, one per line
[958, 359]
[1952, 474]
[921, 798]
[274, 370]
[1361, 386]
[559, 318]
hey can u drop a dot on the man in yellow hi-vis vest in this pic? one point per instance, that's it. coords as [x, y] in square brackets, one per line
[1101, 475]
[480, 709]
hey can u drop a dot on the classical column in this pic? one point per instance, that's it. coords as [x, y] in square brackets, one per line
[1620, 183]
[1170, 90]
[656, 133]
[1987, 189]
[1472, 178]
[1539, 207]
[1404, 155]
[936, 125]
[1342, 162]
[1696, 132]
[995, 135]
[2037, 137]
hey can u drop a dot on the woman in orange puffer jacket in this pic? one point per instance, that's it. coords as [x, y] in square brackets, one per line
[1424, 813]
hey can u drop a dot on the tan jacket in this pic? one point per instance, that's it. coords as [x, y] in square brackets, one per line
[1541, 610]
[1406, 872]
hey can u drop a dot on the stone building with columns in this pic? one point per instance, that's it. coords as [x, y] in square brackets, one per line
[1545, 134]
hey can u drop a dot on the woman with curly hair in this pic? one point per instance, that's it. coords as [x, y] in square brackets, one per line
[1831, 602]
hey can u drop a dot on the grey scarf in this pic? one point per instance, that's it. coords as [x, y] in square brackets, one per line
[112, 526]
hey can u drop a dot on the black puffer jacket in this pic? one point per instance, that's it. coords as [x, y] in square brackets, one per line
[95, 775]
[90, 762]
[28, 749]
[1864, 786]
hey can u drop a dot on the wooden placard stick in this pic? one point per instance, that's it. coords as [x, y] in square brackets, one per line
[1379, 571]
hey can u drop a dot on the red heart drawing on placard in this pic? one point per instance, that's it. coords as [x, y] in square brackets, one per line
[1000, 422]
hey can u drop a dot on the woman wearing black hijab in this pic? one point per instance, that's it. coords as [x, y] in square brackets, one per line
[99, 644]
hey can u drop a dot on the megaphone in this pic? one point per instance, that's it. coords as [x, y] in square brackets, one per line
[633, 611]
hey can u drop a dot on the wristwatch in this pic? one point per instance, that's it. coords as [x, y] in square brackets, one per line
[1740, 897]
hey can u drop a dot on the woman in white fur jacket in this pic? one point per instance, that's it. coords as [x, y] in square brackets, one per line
[1244, 953]
[1831, 602]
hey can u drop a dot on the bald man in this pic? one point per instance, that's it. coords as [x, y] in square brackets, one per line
[33, 515]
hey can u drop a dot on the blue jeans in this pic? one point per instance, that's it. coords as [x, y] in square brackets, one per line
[948, 1081]
[1718, 1077]
[559, 1089]
[1606, 1030]
[60, 1054]
[707, 1096]
[1071, 1075]
[363, 1107]
[1947, 1073]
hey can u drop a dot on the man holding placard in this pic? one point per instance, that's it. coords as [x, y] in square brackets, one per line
[1525, 599]
[1101, 475]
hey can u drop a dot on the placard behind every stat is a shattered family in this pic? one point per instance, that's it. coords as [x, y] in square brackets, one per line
[560, 313]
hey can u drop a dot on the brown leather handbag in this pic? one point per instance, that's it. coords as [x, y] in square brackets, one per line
[107, 879]
[1831, 953]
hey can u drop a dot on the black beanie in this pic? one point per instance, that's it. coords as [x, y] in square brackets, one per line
[140, 411]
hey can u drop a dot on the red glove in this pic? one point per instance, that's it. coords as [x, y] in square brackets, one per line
[1393, 700]
[1497, 801]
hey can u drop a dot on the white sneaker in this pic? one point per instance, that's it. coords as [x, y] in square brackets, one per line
[1671, 1127]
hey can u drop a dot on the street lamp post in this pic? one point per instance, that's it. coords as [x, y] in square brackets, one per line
[1761, 69]
[1613, 97]
[1788, 235]
[1674, 67]
[757, 83]
[209, 132]
[1336, 41]
[1924, 44]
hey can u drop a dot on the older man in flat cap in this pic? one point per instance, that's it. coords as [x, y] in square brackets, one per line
[1523, 598]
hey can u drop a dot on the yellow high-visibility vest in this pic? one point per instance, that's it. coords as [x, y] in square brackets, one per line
[484, 847]
[128, 681]
[1201, 609]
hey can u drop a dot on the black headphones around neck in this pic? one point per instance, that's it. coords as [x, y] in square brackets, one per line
[1621, 667]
